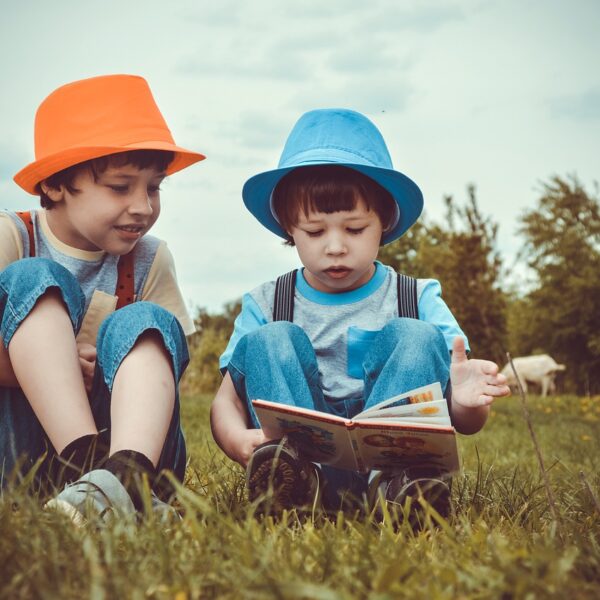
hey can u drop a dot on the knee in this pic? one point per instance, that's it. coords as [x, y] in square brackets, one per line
[135, 319]
[278, 330]
[29, 273]
[279, 335]
[34, 267]
[282, 341]
[413, 331]
[24, 282]
[121, 330]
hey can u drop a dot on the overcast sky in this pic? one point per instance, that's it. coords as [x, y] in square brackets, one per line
[502, 94]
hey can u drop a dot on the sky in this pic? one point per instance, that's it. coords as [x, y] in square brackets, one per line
[499, 94]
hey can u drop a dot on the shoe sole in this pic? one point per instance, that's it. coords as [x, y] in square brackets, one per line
[274, 474]
[276, 469]
[64, 508]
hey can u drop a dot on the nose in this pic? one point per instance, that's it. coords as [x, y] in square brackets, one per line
[336, 244]
[141, 203]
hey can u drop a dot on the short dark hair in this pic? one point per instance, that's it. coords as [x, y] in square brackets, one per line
[142, 159]
[328, 189]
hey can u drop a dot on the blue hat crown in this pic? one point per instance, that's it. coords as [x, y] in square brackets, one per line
[335, 136]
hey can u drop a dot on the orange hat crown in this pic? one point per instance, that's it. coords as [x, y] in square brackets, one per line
[95, 117]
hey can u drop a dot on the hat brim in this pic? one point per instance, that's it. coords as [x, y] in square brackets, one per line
[35, 172]
[257, 191]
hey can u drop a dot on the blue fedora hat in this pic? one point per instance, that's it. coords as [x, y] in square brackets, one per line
[336, 136]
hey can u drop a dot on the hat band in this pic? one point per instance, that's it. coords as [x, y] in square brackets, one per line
[334, 155]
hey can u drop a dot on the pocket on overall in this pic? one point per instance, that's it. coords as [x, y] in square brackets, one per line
[359, 343]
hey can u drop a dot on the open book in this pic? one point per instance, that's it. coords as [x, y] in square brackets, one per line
[413, 428]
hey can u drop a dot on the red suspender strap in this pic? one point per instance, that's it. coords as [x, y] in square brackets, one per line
[25, 216]
[125, 285]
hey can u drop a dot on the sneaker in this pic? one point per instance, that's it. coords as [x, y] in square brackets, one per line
[162, 511]
[280, 479]
[416, 484]
[97, 495]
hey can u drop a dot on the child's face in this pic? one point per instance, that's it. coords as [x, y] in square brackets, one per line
[338, 249]
[109, 214]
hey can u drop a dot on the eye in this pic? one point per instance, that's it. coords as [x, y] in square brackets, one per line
[355, 230]
[153, 189]
[313, 234]
[119, 189]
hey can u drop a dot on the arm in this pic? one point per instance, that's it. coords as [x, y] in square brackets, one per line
[475, 385]
[229, 424]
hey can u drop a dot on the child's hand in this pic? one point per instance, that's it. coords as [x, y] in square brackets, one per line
[245, 444]
[87, 362]
[474, 382]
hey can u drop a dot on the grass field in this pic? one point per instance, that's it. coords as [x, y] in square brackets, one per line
[504, 542]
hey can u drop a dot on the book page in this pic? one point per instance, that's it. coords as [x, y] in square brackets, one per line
[386, 445]
[426, 393]
[321, 437]
[418, 421]
[432, 412]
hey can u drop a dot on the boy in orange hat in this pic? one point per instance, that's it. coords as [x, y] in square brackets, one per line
[92, 320]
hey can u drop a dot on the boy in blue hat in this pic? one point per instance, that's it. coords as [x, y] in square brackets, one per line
[344, 332]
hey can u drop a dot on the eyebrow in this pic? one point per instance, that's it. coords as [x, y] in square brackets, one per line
[161, 175]
[316, 221]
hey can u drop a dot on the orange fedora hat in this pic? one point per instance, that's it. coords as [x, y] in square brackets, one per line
[94, 117]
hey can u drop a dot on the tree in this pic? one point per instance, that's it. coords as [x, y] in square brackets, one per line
[463, 257]
[562, 246]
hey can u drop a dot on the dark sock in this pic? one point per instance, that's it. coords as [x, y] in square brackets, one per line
[78, 457]
[131, 468]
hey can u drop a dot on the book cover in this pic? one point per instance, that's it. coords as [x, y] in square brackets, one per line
[407, 429]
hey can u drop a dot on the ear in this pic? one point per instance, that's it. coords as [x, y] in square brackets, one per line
[56, 194]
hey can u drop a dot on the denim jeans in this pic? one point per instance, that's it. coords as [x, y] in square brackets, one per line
[277, 362]
[22, 438]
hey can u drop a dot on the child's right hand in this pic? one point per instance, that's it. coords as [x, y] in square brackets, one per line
[245, 444]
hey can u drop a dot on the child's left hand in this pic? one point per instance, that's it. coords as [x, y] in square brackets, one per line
[87, 362]
[474, 382]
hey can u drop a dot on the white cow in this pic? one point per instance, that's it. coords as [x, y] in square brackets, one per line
[540, 369]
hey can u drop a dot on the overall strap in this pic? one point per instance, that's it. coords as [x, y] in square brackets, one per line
[408, 305]
[25, 216]
[283, 304]
[125, 287]
[125, 283]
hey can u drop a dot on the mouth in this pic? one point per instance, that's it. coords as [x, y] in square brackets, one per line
[130, 231]
[338, 272]
[130, 228]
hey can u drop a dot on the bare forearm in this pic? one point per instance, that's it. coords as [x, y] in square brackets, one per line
[228, 424]
[231, 425]
[469, 419]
